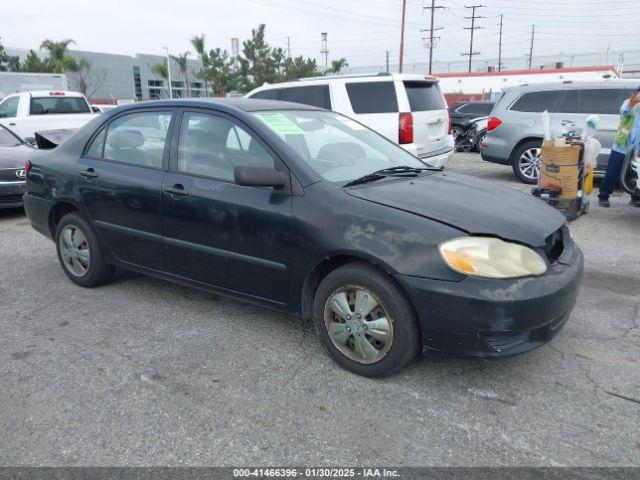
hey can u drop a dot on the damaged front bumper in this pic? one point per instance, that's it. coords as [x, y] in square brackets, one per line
[486, 318]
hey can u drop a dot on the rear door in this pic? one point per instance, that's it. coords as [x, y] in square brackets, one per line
[375, 104]
[430, 116]
[120, 178]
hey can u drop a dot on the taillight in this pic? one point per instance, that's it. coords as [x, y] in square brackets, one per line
[27, 167]
[56, 94]
[405, 130]
[493, 123]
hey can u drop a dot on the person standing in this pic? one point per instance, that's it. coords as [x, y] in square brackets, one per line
[622, 143]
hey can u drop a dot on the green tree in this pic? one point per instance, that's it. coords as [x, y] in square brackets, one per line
[58, 55]
[34, 64]
[257, 64]
[337, 65]
[221, 72]
[300, 67]
[8, 63]
[199, 46]
[183, 65]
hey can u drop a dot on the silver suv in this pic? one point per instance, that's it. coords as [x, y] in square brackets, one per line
[514, 130]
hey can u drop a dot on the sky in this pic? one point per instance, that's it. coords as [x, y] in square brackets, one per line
[359, 30]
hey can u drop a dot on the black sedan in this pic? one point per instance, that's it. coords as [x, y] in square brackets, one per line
[307, 211]
[13, 155]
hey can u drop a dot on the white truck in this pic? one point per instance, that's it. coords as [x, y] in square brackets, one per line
[28, 112]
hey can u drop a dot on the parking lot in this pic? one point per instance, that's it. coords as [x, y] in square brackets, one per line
[143, 372]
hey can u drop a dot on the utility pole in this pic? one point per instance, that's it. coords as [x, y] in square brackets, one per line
[500, 47]
[533, 35]
[431, 30]
[288, 47]
[473, 28]
[325, 50]
[387, 61]
[169, 72]
[404, 12]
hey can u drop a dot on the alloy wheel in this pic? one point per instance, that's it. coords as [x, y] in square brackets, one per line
[358, 324]
[529, 163]
[74, 251]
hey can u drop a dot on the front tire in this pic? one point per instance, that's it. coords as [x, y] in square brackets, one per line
[365, 321]
[79, 252]
[526, 162]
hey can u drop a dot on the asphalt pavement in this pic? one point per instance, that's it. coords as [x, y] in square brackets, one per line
[144, 372]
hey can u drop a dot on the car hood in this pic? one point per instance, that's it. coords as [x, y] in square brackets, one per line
[475, 206]
[14, 157]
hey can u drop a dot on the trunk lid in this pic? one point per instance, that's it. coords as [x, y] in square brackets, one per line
[430, 116]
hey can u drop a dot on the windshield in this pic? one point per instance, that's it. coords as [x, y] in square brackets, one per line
[337, 148]
[7, 139]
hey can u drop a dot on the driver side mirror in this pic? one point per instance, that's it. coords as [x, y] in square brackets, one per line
[258, 176]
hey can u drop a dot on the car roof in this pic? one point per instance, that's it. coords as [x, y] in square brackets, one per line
[570, 84]
[238, 103]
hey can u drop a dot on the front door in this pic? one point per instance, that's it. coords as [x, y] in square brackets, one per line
[120, 179]
[217, 232]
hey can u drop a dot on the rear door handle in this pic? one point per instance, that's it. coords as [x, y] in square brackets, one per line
[12, 124]
[88, 173]
[177, 190]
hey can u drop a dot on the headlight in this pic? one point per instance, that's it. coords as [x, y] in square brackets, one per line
[491, 258]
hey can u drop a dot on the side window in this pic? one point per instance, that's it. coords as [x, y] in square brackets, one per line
[97, 145]
[314, 95]
[138, 138]
[271, 94]
[536, 101]
[372, 97]
[9, 107]
[207, 147]
[570, 102]
[601, 100]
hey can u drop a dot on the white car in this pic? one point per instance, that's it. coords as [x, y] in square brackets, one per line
[28, 112]
[409, 110]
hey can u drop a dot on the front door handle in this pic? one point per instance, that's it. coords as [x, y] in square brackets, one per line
[177, 190]
[12, 124]
[88, 173]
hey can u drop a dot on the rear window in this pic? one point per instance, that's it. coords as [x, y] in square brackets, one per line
[424, 96]
[536, 101]
[314, 95]
[372, 97]
[267, 94]
[601, 100]
[476, 108]
[58, 105]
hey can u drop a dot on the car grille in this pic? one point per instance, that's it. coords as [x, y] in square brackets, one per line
[554, 245]
[10, 199]
[9, 175]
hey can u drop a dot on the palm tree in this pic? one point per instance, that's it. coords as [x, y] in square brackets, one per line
[338, 65]
[199, 46]
[58, 55]
[161, 70]
[183, 65]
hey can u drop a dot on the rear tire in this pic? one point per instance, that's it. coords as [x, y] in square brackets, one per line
[526, 162]
[80, 253]
[376, 333]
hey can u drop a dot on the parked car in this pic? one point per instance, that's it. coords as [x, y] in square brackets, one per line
[13, 155]
[463, 113]
[515, 132]
[310, 212]
[28, 112]
[470, 140]
[409, 110]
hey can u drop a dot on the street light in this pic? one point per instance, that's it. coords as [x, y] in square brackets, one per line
[169, 71]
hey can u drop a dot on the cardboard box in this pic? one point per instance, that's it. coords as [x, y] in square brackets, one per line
[559, 169]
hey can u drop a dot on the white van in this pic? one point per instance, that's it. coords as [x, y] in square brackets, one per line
[409, 110]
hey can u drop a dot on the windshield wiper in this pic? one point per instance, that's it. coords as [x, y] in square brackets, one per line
[399, 171]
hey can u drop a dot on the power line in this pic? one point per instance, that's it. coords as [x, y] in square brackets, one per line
[472, 28]
[432, 8]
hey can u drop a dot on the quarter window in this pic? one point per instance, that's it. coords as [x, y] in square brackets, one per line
[138, 138]
[9, 108]
[213, 146]
[314, 95]
[536, 101]
[372, 97]
[97, 146]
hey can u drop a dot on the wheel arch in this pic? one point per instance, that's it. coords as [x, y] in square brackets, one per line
[59, 210]
[329, 264]
[522, 142]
